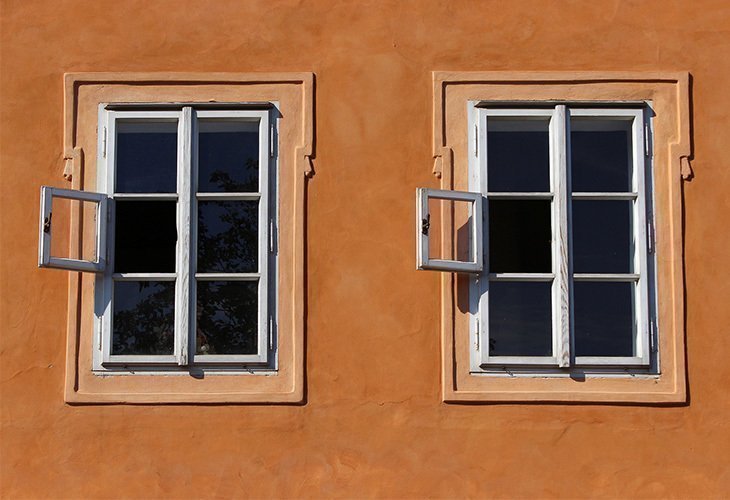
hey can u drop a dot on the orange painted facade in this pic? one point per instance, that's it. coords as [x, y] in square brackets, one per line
[372, 421]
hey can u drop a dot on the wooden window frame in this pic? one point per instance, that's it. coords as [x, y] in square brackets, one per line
[667, 94]
[184, 277]
[562, 277]
[423, 233]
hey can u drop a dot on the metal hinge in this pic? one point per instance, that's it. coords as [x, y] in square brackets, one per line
[271, 333]
[271, 141]
[103, 145]
[652, 335]
[651, 239]
[272, 236]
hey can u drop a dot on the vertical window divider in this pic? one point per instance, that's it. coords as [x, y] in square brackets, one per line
[641, 154]
[185, 275]
[264, 329]
[561, 286]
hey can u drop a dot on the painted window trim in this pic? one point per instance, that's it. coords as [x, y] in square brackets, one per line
[423, 232]
[559, 193]
[295, 91]
[671, 151]
[186, 195]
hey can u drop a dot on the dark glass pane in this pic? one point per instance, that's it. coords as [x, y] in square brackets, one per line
[228, 236]
[600, 155]
[145, 236]
[602, 236]
[518, 154]
[520, 319]
[519, 236]
[228, 156]
[604, 319]
[146, 157]
[144, 317]
[227, 317]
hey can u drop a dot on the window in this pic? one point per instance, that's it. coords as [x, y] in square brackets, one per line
[185, 277]
[580, 295]
[566, 280]
[186, 222]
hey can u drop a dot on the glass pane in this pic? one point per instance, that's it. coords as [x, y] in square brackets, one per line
[228, 236]
[145, 236]
[518, 154]
[519, 236]
[146, 156]
[604, 319]
[520, 319]
[144, 317]
[227, 317]
[602, 236]
[61, 213]
[600, 155]
[228, 156]
[461, 249]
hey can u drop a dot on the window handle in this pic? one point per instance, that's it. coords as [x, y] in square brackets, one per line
[426, 224]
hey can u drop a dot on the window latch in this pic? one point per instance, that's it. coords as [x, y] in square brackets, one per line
[426, 224]
[47, 223]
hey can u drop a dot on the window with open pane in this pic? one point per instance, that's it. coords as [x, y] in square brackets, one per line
[189, 226]
[566, 277]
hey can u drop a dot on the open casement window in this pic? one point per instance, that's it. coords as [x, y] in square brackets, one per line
[190, 243]
[96, 262]
[567, 276]
[467, 250]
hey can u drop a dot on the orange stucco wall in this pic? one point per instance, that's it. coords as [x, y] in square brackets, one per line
[373, 422]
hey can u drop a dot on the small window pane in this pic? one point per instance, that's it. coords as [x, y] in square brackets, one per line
[604, 319]
[144, 318]
[519, 236]
[227, 317]
[146, 156]
[520, 322]
[600, 155]
[228, 236]
[602, 236]
[228, 156]
[518, 154]
[145, 236]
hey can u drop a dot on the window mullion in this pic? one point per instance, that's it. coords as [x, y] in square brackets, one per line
[561, 295]
[184, 275]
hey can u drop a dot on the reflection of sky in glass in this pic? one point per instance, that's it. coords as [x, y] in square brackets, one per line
[518, 154]
[227, 317]
[604, 319]
[519, 236]
[600, 152]
[520, 321]
[145, 236]
[146, 157]
[143, 317]
[227, 236]
[602, 236]
[228, 156]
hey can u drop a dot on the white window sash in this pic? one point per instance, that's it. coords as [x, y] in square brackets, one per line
[186, 248]
[562, 314]
[45, 233]
[423, 234]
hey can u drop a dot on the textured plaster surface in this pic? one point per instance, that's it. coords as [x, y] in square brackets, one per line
[373, 423]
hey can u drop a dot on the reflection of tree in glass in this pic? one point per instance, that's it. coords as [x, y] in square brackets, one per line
[227, 312]
[227, 320]
[147, 326]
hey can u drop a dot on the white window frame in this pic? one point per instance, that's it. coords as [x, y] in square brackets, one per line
[187, 199]
[45, 231]
[561, 246]
[423, 231]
